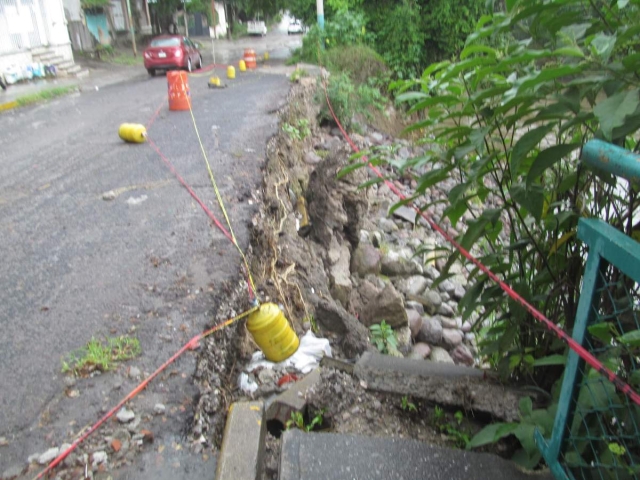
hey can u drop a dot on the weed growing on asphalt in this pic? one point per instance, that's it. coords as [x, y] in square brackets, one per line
[384, 338]
[101, 355]
[407, 406]
[455, 432]
[297, 421]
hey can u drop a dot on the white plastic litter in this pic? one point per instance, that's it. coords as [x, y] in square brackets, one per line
[247, 385]
[306, 358]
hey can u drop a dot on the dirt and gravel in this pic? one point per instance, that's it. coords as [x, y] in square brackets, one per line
[293, 263]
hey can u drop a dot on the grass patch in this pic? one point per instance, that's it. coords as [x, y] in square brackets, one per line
[101, 355]
[45, 95]
[122, 58]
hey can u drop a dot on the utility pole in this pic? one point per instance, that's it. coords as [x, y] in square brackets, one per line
[214, 18]
[133, 33]
[184, 16]
[320, 7]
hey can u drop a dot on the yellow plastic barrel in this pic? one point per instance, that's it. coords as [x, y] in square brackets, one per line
[214, 81]
[132, 132]
[266, 56]
[231, 72]
[242, 66]
[272, 332]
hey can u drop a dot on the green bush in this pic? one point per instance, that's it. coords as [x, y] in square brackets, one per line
[370, 96]
[447, 26]
[312, 44]
[342, 95]
[401, 41]
[411, 34]
[344, 29]
[347, 100]
[506, 123]
[238, 30]
[360, 62]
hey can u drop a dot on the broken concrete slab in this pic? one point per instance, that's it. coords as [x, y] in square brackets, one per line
[243, 443]
[292, 400]
[441, 383]
[331, 456]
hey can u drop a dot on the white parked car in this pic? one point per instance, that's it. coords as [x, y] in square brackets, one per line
[256, 28]
[295, 26]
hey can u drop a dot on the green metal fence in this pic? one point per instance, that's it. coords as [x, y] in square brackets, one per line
[596, 433]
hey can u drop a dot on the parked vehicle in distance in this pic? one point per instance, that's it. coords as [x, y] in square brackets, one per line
[256, 27]
[171, 52]
[295, 26]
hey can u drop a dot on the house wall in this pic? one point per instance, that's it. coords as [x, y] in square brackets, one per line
[65, 51]
[29, 25]
[99, 28]
[73, 9]
[56, 24]
[118, 13]
[221, 27]
[145, 21]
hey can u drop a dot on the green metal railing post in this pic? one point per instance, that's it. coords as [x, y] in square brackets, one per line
[596, 431]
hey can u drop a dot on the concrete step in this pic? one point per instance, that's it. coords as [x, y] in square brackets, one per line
[66, 65]
[443, 384]
[41, 51]
[77, 71]
[73, 68]
[51, 60]
[331, 456]
[57, 60]
[44, 57]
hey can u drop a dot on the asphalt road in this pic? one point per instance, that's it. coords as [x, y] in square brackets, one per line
[147, 263]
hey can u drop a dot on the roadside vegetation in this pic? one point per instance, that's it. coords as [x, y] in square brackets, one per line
[506, 96]
[101, 355]
[45, 95]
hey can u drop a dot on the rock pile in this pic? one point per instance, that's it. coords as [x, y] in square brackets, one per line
[361, 265]
[392, 275]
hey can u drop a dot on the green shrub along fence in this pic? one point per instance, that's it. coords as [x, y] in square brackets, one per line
[596, 433]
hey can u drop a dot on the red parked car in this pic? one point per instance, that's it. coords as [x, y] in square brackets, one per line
[170, 52]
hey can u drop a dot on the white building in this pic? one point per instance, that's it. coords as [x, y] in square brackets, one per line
[221, 27]
[34, 31]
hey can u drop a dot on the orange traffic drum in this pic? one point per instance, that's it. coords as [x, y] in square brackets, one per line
[179, 94]
[250, 58]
